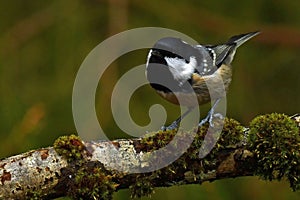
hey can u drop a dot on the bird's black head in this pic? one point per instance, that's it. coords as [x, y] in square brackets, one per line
[174, 47]
[158, 70]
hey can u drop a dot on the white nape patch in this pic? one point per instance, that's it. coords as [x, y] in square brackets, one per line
[184, 42]
[147, 63]
[181, 70]
[148, 57]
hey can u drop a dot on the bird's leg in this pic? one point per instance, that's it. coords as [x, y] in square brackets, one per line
[210, 115]
[174, 125]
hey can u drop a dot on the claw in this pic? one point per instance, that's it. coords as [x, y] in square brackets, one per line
[206, 119]
[163, 128]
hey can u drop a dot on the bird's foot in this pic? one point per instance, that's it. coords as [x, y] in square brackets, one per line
[209, 118]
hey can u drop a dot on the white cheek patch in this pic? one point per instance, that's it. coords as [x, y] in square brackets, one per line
[175, 62]
[181, 70]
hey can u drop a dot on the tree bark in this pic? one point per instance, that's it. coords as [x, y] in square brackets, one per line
[94, 170]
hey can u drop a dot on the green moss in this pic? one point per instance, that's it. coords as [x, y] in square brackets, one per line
[86, 180]
[142, 186]
[91, 181]
[34, 195]
[70, 147]
[275, 140]
[157, 140]
[231, 136]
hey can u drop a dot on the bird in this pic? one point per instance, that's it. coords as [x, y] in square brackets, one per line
[175, 69]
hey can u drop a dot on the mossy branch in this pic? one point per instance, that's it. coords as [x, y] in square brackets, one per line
[269, 148]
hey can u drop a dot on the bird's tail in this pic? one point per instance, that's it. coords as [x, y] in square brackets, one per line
[242, 38]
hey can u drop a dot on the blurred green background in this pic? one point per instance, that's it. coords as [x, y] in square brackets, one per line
[43, 43]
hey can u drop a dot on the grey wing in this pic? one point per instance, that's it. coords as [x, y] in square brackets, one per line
[207, 64]
[222, 52]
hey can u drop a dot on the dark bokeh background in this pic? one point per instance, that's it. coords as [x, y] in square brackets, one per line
[43, 43]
